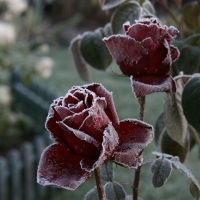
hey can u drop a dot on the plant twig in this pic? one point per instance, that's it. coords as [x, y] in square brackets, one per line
[161, 3]
[141, 101]
[99, 184]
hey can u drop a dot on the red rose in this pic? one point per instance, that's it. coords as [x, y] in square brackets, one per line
[144, 53]
[87, 133]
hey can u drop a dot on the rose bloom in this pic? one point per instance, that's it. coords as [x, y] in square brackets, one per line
[87, 133]
[145, 54]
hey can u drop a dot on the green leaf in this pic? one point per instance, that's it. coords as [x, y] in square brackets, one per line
[79, 62]
[172, 147]
[193, 40]
[108, 4]
[159, 127]
[114, 191]
[177, 165]
[92, 195]
[190, 15]
[176, 123]
[195, 191]
[190, 102]
[106, 172]
[95, 51]
[161, 169]
[189, 60]
[127, 12]
[107, 30]
[147, 5]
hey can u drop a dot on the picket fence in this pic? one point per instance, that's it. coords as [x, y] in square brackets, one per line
[18, 172]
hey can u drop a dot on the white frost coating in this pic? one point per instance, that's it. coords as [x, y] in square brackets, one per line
[168, 58]
[79, 134]
[109, 144]
[136, 121]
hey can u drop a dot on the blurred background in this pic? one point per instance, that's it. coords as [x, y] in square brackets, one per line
[36, 67]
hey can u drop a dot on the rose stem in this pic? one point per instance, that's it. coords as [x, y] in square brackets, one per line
[98, 183]
[165, 7]
[141, 101]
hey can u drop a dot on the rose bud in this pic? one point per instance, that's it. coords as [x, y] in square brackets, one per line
[87, 133]
[145, 54]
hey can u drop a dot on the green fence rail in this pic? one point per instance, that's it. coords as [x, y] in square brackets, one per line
[31, 99]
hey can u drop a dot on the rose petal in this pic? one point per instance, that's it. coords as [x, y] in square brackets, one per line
[140, 31]
[173, 32]
[109, 144]
[101, 91]
[134, 136]
[79, 142]
[141, 86]
[127, 52]
[96, 121]
[63, 111]
[60, 168]
[70, 99]
[174, 53]
[51, 124]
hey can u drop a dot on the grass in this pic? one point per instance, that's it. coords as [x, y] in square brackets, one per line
[65, 76]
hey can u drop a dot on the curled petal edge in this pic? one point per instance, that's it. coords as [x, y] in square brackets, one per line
[144, 85]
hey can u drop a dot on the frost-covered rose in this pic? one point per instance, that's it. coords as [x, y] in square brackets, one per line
[87, 133]
[144, 53]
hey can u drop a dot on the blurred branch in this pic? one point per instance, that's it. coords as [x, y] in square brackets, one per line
[164, 5]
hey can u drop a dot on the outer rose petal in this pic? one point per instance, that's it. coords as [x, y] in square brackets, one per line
[109, 144]
[134, 136]
[141, 86]
[51, 120]
[174, 53]
[60, 168]
[126, 51]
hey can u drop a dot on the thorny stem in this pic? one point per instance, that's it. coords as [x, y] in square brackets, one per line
[98, 183]
[141, 101]
[165, 7]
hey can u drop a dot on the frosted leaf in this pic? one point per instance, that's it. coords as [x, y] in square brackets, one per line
[60, 168]
[114, 191]
[161, 169]
[141, 86]
[92, 194]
